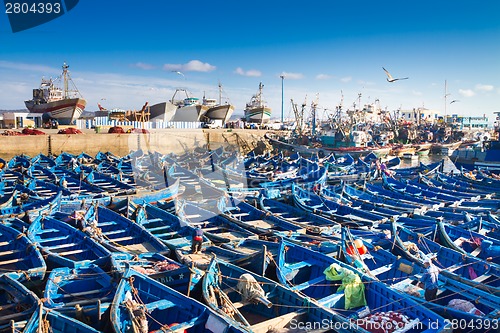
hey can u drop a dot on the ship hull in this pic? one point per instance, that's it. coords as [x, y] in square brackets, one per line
[65, 111]
[259, 115]
[486, 156]
[190, 113]
[220, 112]
[164, 111]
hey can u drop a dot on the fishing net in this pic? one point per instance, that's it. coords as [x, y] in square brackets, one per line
[249, 288]
[465, 306]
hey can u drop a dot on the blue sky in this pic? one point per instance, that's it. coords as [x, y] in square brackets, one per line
[122, 53]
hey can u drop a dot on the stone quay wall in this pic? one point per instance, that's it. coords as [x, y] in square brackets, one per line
[164, 141]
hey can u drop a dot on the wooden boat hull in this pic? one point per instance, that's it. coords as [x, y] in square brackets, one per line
[302, 270]
[277, 306]
[57, 322]
[166, 308]
[64, 245]
[19, 257]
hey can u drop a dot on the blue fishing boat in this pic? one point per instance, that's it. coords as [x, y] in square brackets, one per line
[80, 190]
[119, 234]
[19, 257]
[380, 191]
[43, 161]
[166, 227]
[426, 169]
[471, 201]
[158, 267]
[487, 176]
[64, 245]
[470, 242]
[17, 304]
[19, 163]
[251, 218]
[66, 160]
[308, 176]
[339, 213]
[107, 156]
[83, 293]
[42, 173]
[142, 304]
[457, 193]
[455, 301]
[327, 245]
[458, 266]
[187, 178]
[47, 190]
[436, 181]
[56, 322]
[257, 304]
[305, 271]
[336, 194]
[487, 226]
[486, 155]
[417, 192]
[167, 192]
[467, 183]
[313, 223]
[256, 261]
[267, 248]
[29, 206]
[217, 228]
[103, 181]
[354, 193]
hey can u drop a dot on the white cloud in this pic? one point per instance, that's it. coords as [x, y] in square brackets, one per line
[250, 72]
[323, 77]
[191, 66]
[366, 83]
[466, 92]
[484, 87]
[346, 79]
[416, 93]
[29, 67]
[143, 65]
[292, 76]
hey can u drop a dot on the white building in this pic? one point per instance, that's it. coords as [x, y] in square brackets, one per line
[420, 115]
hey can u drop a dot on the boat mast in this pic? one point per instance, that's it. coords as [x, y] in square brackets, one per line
[220, 93]
[260, 93]
[65, 79]
[314, 104]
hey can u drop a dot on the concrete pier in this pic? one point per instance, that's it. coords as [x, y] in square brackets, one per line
[164, 141]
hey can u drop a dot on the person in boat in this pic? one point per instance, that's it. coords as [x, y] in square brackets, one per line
[429, 280]
[385, 170]
[197, 241]
[375, 167]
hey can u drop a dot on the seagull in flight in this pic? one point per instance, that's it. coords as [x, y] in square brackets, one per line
[180, 73]
[390, 78]
[454, 101]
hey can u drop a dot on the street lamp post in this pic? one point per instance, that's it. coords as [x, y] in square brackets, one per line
[282, 100]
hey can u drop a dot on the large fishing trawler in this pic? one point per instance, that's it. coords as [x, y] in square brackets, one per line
[256, 110]
[55, 102]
